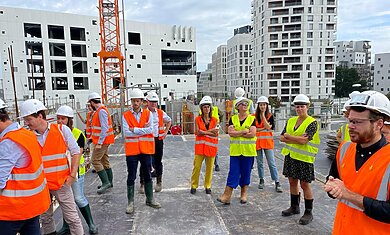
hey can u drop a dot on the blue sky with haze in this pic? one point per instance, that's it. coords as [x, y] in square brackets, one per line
[215, 20]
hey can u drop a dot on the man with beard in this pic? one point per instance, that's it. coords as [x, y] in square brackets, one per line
[359, 175]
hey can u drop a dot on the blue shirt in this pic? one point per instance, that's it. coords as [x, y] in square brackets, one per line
[148, 129]
[11, 155]
[154, 114]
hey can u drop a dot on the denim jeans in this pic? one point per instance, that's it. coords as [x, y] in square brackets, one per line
[132, 165]
[78, 192]
[269, 154]
[24, 227]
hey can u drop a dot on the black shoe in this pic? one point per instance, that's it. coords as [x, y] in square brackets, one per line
[278, 188]
[208, 190]
[217, 168]
[291, 211]
[243, 201]
[261, 184]
[306, 218]
[93, 171]
[153, 173]
[193, 190]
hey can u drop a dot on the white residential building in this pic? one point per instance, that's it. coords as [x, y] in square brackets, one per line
[239, 62]
[293, 49]
[204, 82]
[382, 73]
[218, 69]
[58, 52]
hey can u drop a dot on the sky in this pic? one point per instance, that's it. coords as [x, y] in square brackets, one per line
[215, 20]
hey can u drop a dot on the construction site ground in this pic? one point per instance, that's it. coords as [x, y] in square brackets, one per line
[184, 213]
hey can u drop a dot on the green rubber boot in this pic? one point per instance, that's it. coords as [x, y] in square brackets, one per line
[86, 212]
[149, 196]
[105, 182]
[65, 228]
[130, 199]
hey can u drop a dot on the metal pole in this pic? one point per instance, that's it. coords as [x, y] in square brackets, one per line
[122, 97]
[11, 60]
[32, 72]
[43, 78]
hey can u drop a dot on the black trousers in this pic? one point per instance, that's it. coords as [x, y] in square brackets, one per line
[132, 166]
[156, 159]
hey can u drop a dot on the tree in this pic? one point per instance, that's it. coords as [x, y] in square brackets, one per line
[345, 78]
[274, 101]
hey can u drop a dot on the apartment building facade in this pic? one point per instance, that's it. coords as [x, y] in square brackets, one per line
[382, 73]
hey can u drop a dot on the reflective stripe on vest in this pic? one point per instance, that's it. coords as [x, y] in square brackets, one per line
[350, 204]
[161, 129]
[53, 157]
[31, 176]
[96, 127]
[56, 168]
[382, 192]
[23, 193]
[265, 138]
[241, 145]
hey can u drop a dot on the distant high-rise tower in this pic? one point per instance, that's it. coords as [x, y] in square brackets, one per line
[293, 49]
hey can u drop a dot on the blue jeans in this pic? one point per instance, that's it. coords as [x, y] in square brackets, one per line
[269, 154]
[24, 227]
[240, 171]
[216, 160]
[78, 192]
[132, 165]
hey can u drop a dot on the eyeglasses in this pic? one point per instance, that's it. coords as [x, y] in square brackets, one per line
[359, 121]
[244, 104]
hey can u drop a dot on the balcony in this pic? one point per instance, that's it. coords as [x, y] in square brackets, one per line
[331, 2]
[275, 28]
[279, 52]
[299, 10]
[290, 3]
[292, 60]
[297, 51]
[291, 76]
[279, 68]
[297, 67]
[274, 76]
[295, 35]
[274, 60]
[280, 12]
[293, 27]
[275, 4]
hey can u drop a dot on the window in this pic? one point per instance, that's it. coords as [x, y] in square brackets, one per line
[96, 70]
[58, 66]
[59, 83]
[80, 67]
[165, 85]
[148, 80]
[36, 83]
[94, 54]
[131, 57]
[134, 38]
[77, 34]
[32, 30]
[144, 57]
[80, 83]
[55, 32]
[178, 80]
[138, 66]
[79, 50]
[94, 22]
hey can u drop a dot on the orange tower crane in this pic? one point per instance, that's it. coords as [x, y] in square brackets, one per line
[111, 58]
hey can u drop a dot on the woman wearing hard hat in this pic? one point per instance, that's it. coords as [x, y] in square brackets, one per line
[65, 117]
[302, 141]
[242, 131]
[206, 144]
[265, 142]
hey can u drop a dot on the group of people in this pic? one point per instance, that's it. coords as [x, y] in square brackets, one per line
[47, 160]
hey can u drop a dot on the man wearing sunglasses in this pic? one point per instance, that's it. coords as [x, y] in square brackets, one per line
[359, 176]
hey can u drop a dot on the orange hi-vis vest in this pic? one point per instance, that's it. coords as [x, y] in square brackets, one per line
[96, 128]
[265, 138]
[54, 158]
[371, 180]
[204, 144]
[88, 127]
[140, 144]
[26, 194]
[161, 129]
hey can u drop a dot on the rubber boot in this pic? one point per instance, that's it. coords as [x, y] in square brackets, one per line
[244, 194]
[158, 187]
[86, 212]
[294, 208]
[110, 176]
[130, 199]
[227, 194]
[65, 229]
[307, 216]
[105, 183]
[149, 196]
[141, 189]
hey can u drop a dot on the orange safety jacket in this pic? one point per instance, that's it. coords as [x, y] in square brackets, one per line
[140, 144]
[26, 194]
[96, 128]
[88, 127]
[161, 129]
[204, 144]
[371, 180]
[265, 138]
[55, 161]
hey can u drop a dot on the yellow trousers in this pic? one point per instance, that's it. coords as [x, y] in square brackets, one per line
[198, 160]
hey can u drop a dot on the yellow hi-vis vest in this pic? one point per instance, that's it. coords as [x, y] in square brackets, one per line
[76, 133]
[241, 145]
[302, 152]
[344, 129]
[235, 111]
[214, 112]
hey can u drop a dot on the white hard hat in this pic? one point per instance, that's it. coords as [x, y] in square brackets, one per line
[371, 100]
[206, 100]
[3, 104]
[301, 98]
[387, 122]
[262, 99]
[31, 106]
[152, 96]
[136, 93]
[345, 105]
[65, 110]
[94, 96]
[240, 100]
[353, 93]
[239, 92]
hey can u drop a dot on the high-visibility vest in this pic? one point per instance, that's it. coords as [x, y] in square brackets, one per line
[140, 144]
[265, 138]
[26, 194]
[96, 128]
[241, 145]
[302, 152]
[344, 129]
[54, 158]
[88, 128]
[235, 111]
[214, 112]
[76, 133]
[161, 129]
[371, 180]
[204, 144]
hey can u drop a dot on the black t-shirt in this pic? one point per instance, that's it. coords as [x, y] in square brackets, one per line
[242, 122]
[81, 141]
